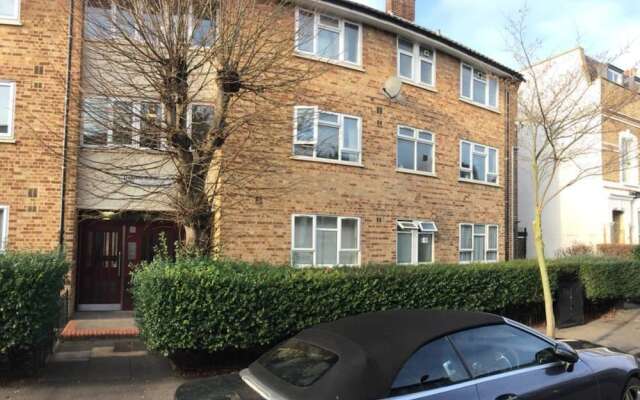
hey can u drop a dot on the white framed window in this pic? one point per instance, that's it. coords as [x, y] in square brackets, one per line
[326, 135]
[478, 163]
[4, 227]
[615, 76]
[416, 62]
[328, 37]
[478, 243]
[415, 241]
[320, 240]
[9, 11]
[7, 109]
[415, 150]
[102, 14]
[478, 87]
[628, 156]
[125, 122]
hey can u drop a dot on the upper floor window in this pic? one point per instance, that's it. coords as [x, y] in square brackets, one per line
[478, 243]
[4, 227]
[325, 241]
[104, 19]
[9, 11]
[477, 87]
[7, 106]
[628, 158]
[615, 76]
[478, 162]
[415, 150]
[414, 241]
[326, 135]
[135, 123]
[416, 62]
[328, 37]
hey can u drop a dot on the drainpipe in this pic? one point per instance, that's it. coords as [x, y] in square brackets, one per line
[65, 138]
[508, 231]
[636, 196]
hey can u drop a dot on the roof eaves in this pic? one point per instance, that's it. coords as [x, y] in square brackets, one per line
[426, 32]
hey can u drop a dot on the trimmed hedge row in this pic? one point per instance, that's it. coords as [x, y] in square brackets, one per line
[30, 286]
[212, 306]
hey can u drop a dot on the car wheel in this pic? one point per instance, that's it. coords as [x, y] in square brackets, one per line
[632, 391]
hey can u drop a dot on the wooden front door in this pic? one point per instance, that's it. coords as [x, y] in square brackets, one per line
[108, 252]
[100, 265]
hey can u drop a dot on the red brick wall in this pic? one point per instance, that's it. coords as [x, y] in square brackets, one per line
[377, 193]
[33, 160]
[402, 8]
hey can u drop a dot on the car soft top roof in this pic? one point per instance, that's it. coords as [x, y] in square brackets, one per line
[371, 349]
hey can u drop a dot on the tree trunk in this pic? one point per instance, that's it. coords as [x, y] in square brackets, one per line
[544, 274]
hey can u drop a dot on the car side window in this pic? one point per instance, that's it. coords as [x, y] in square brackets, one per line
[500, 348]
[434, 365]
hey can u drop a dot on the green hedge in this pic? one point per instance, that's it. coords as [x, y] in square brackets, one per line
[611, 280]
[30, 286]
[213, 306]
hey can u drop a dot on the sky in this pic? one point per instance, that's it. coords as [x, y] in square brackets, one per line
[605, 28]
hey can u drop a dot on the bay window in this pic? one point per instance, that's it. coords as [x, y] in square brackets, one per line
[9, 11]
[416, 62]
[478, 163]
[415, 150]
[7, 107]
[328, 37]
[414, 241]
[319, 240]
[478, 243]
[478, 87]
[326, 135]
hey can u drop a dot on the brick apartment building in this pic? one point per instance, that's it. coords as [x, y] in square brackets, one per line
[423, 177]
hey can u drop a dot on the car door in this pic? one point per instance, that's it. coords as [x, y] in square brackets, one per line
[434, 372]
[508, 363]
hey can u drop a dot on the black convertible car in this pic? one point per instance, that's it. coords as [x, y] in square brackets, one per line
[434, 355]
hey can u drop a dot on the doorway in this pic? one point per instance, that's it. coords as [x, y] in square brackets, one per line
[108, 251]
[617, 227]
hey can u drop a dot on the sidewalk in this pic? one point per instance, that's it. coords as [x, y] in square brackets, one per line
[99, 370]
[620, 330]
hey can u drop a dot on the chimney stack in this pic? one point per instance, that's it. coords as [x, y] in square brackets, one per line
[402, 8]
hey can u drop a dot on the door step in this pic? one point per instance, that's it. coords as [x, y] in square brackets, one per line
[100, 326]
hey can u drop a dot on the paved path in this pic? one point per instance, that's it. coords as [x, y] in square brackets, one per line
[620, 330]
[99, 370]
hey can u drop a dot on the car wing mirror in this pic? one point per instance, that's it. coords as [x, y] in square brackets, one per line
[565, 353]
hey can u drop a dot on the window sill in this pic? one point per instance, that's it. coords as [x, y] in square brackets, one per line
[473, 103]
[7, 140]
[430, 88]
[343, 64]
[327, 161]
[412, 172]
[12, 22]
[495, 185]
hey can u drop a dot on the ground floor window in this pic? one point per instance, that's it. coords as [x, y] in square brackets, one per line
[478, 243]
[414, 241]
[4, 227]
[319, 240]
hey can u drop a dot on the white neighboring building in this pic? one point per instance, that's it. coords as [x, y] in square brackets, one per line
[604, 207]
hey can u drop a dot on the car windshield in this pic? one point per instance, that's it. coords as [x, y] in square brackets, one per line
[298, 363]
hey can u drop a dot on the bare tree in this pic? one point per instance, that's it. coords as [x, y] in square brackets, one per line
[561, 115]
[177, 91]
